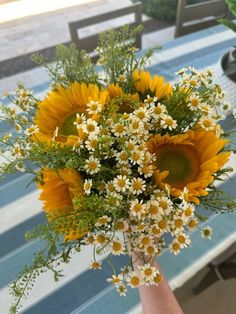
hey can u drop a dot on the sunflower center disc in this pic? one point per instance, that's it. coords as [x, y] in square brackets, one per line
[181, 161]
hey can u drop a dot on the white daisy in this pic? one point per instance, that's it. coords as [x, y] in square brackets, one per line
[92, 165]
[183, 240]
[206, 232]
[95, 265]
[117, 247]
[91, 127]
[137, 208]
[175, 247]
[150, 100]
[80, 120]
[207, 123]
[226, 107]
[116, 279]
[119, 130]
[137, 157]
[91, 143]
[87, 186]
[137, 186]
[122, 290]
[159, 111]
[103, 221]
[134, 279]
[154, 210]
[167, 122]
[146, 170]
[94, 107]
[195, 102]
[141, 114]
[148, 272]
[121, 183]
[32, 130]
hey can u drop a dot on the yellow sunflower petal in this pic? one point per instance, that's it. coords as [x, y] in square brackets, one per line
[58, 189]
[144, 84]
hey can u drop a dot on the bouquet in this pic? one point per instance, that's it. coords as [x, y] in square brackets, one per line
[122, 159]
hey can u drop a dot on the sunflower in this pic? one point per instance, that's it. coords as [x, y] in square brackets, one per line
[124, 102]
[58, 111]
[187, 160]
[57, 191]
[146, 85]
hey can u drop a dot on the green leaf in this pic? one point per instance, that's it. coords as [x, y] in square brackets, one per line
[232, 6]
[228, 24]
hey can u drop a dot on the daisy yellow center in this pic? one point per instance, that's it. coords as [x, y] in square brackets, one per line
[87, 186]
[115, 280]
[90, 239]
[193, 83]
[120, 128]
[145, 241]
[150, 250]
[134, 281]
[157, 278]
[67, 126]
[123, 156]
[207, 123]
[169, 122]
[178, 223]
[90, 128]
[155, 230]
[137, 208]
[192, 223]
[148, 272]
[176, 246]
[137, 185]
[163, 204]
[188, 211]
[141, 115]
[95, 265]
[101, 239]
[93, 143]
[181, 239]
[207, 232]
[102, 220]
[121, 183]
[116, 246]
[158, 110]
[153, 209]
[181, 161]
[135, 125]
[92, 165]
[195, 102]
[162, 224]
[120, 225]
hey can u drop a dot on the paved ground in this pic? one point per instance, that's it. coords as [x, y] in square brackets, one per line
[217, 299]
[20, 37]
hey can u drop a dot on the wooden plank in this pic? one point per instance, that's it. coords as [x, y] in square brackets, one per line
[208, 10]
[194, 27]
[90, 43]
[215, 8]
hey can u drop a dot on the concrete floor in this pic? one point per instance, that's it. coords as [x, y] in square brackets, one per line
[220, 298]
[23, 35]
